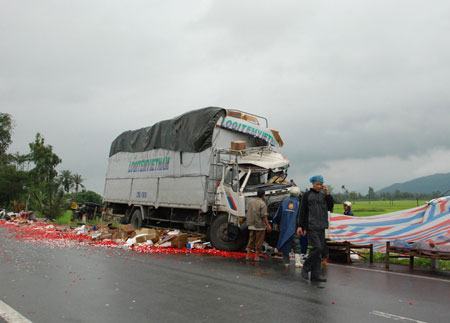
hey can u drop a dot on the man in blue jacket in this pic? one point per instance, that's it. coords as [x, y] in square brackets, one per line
[287, 218]
[316, 203]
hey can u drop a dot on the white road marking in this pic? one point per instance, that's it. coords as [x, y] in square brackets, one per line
[395, 317]
[10, 315]
[393, 273]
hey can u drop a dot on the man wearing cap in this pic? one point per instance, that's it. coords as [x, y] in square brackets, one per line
[258, 223]
[348, 208]
[314, 220]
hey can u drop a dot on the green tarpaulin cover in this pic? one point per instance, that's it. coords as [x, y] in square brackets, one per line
[190, 132]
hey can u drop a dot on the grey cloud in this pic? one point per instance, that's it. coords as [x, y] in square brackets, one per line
[355, 81]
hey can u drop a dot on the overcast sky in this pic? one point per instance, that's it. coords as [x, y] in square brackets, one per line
[358, 89]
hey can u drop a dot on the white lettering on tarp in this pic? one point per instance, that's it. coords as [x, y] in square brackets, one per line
[247, 128]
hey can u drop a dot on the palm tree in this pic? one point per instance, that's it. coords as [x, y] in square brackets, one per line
[67, 180]
[77, 180]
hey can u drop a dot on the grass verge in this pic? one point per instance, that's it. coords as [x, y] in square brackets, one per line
[423, 263]
[365, 208]
[65, 218]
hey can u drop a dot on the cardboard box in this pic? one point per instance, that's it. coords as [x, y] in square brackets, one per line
[115, 234]
[179, 241]
[151, 234]
[238, 145]
[140, 238]
[105, 235]
[127, 231]
[128, 228]
[146, 231]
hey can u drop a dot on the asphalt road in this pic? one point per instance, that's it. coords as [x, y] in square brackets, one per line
[91, 284]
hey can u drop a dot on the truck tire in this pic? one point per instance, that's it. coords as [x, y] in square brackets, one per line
[136, 219]
[225, 236]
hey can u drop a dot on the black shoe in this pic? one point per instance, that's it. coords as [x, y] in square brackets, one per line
[318, 279]
[305, 274]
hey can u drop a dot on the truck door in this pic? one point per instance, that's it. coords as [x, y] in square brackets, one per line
[235, 201]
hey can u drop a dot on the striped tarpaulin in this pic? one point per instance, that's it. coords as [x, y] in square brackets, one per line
[429, 223]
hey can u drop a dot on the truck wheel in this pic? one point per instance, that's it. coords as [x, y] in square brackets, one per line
[225, 236]
[136, 219]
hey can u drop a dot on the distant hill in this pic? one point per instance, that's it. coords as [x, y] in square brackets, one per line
[426, 185]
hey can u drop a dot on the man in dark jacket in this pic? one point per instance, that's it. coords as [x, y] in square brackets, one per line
[313, 219]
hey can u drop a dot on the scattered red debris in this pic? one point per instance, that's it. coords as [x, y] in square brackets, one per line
[61, 236]
[212, 252]
[105, 243]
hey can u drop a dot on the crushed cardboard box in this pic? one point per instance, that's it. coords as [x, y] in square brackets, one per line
[149, 234]
[127, 231]
[179, 241]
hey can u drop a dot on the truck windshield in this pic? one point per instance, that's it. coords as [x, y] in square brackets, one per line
[261, 178]
[278, 177]
[257, 179]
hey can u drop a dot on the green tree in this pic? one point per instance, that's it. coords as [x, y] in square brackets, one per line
[345, 191]
[353, 196]
[12, 185]
[6, 126]
[88, 196]
[67, 180]
[12, 178]
[45, 188]
[45, 161]
[371, 194]
[78, 180]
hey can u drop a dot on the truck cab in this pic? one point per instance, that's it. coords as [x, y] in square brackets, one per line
[244, 173]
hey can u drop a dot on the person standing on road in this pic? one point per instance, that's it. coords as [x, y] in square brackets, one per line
[314, 220]
[348, 208]
[286, 217]
[258, 223]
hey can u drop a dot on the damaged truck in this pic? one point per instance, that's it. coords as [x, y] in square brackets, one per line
[198, 172]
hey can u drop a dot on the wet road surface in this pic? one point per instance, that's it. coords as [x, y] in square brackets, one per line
[92, 284]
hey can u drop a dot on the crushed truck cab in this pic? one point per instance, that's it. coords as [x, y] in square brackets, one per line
[197, 172]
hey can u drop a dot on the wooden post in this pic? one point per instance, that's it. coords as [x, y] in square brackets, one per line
[371, 254]
[347, 249]
[411, 262]
[386, 259]
[433, 264]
